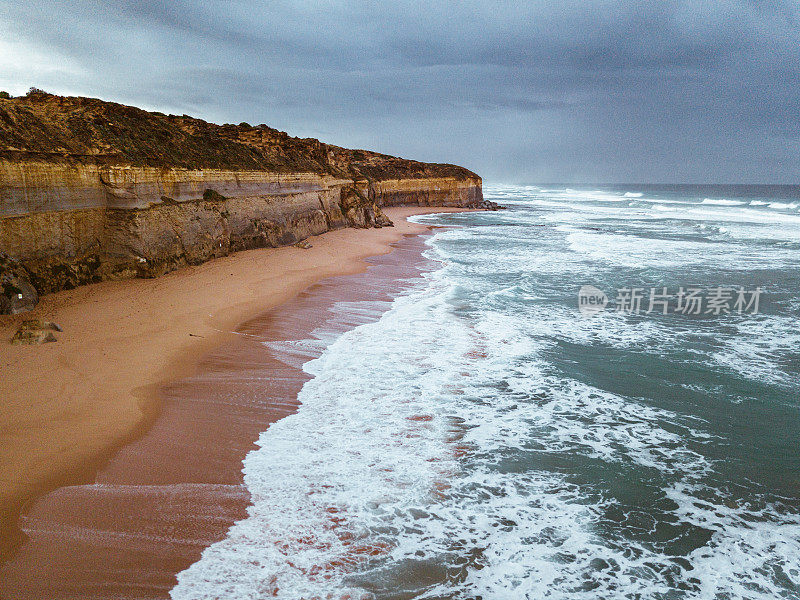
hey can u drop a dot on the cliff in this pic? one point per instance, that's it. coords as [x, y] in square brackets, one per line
[93, 190]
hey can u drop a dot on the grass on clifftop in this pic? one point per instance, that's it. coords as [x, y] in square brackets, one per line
[77, 128]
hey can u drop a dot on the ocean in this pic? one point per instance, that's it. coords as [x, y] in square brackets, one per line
[487, 435]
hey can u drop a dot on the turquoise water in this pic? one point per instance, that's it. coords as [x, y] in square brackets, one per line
[487, 441]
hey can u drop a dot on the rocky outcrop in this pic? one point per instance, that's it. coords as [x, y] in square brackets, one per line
[34, 331]
[17, 293]
[489, 205]
[93, 190]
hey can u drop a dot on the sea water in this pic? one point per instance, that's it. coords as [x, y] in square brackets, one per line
[480, 438]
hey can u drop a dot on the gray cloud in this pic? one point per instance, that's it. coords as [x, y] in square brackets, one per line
[603, 90]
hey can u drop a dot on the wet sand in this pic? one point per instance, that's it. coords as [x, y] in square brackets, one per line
[163, 498]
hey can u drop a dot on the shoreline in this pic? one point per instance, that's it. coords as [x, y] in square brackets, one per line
[73, 404]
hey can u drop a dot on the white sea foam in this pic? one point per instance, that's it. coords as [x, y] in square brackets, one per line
[783, 205]
[722, 202]
[760, 347]
[637, 252]
[738, 548]
[326, 480]
[665, 201]
[367, 467]
[592, 196]
[659, 209]
[341, 316]
[608, 329]
[401, 468]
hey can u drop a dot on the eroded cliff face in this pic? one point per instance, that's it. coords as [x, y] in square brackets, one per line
[92, 190]
[96, 222]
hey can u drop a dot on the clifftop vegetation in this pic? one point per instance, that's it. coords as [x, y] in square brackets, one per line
[76, 128]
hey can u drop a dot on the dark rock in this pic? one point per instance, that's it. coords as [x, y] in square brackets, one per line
[38, 324]
[213, 196]
[305, 245]
[32, 337]
[381, 220]
[34, 331]
[17, 293]
[489, 205]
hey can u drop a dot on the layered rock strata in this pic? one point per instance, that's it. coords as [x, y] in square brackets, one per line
[93, 190]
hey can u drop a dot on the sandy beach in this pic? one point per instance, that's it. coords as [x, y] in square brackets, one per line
[69, 406]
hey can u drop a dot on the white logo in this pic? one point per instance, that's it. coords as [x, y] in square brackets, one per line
[591, 300]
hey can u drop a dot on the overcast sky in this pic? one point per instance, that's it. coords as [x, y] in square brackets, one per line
[555, 91]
